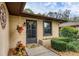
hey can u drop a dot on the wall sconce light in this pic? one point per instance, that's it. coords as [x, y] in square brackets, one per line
[24, 24]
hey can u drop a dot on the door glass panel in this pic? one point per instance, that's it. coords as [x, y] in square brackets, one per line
[31, 29]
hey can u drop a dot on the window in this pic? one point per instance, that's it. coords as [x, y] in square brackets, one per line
[47, 28]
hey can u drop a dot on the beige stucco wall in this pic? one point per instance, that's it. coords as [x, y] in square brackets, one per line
[55, 33]
[55, 30]
[15, 36]
[4, 36]
[77, 27]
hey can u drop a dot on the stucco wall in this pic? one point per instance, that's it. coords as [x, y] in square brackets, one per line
[4, 36]
[15, 36]
[55, 30]
[55, 33]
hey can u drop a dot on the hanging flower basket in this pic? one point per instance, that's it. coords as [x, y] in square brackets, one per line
[20, 29]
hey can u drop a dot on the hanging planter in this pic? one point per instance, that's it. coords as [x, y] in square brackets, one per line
[20, 29]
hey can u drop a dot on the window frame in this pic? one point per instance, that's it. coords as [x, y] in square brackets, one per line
[47, 34]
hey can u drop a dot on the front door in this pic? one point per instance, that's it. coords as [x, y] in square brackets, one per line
[31, 31]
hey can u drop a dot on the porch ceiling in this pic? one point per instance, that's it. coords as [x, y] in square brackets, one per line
[16, 8]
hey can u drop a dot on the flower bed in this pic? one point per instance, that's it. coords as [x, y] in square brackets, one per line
[19, 50]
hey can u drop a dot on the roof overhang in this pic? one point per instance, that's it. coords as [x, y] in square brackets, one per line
[74, 24]
[16, 8]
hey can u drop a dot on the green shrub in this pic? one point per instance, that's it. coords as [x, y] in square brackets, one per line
[71, 47]
[70, 32]
[65, 39]
[58, 45]
[63, 44]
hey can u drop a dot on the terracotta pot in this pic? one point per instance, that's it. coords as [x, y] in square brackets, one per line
[20, 30]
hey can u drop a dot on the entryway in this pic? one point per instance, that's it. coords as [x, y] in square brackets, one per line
[31, 31]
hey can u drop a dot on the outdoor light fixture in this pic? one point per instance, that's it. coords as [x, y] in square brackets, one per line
[24, 24]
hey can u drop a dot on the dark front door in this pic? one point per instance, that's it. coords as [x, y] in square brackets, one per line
[31, 31]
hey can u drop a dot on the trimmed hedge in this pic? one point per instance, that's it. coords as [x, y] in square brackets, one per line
[63, 45]
[65, 39]
[58, 45]
[71, 47]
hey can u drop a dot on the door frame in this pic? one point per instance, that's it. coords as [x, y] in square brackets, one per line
[26, 31]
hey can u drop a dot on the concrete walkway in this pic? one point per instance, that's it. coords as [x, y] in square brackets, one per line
[40, 51]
